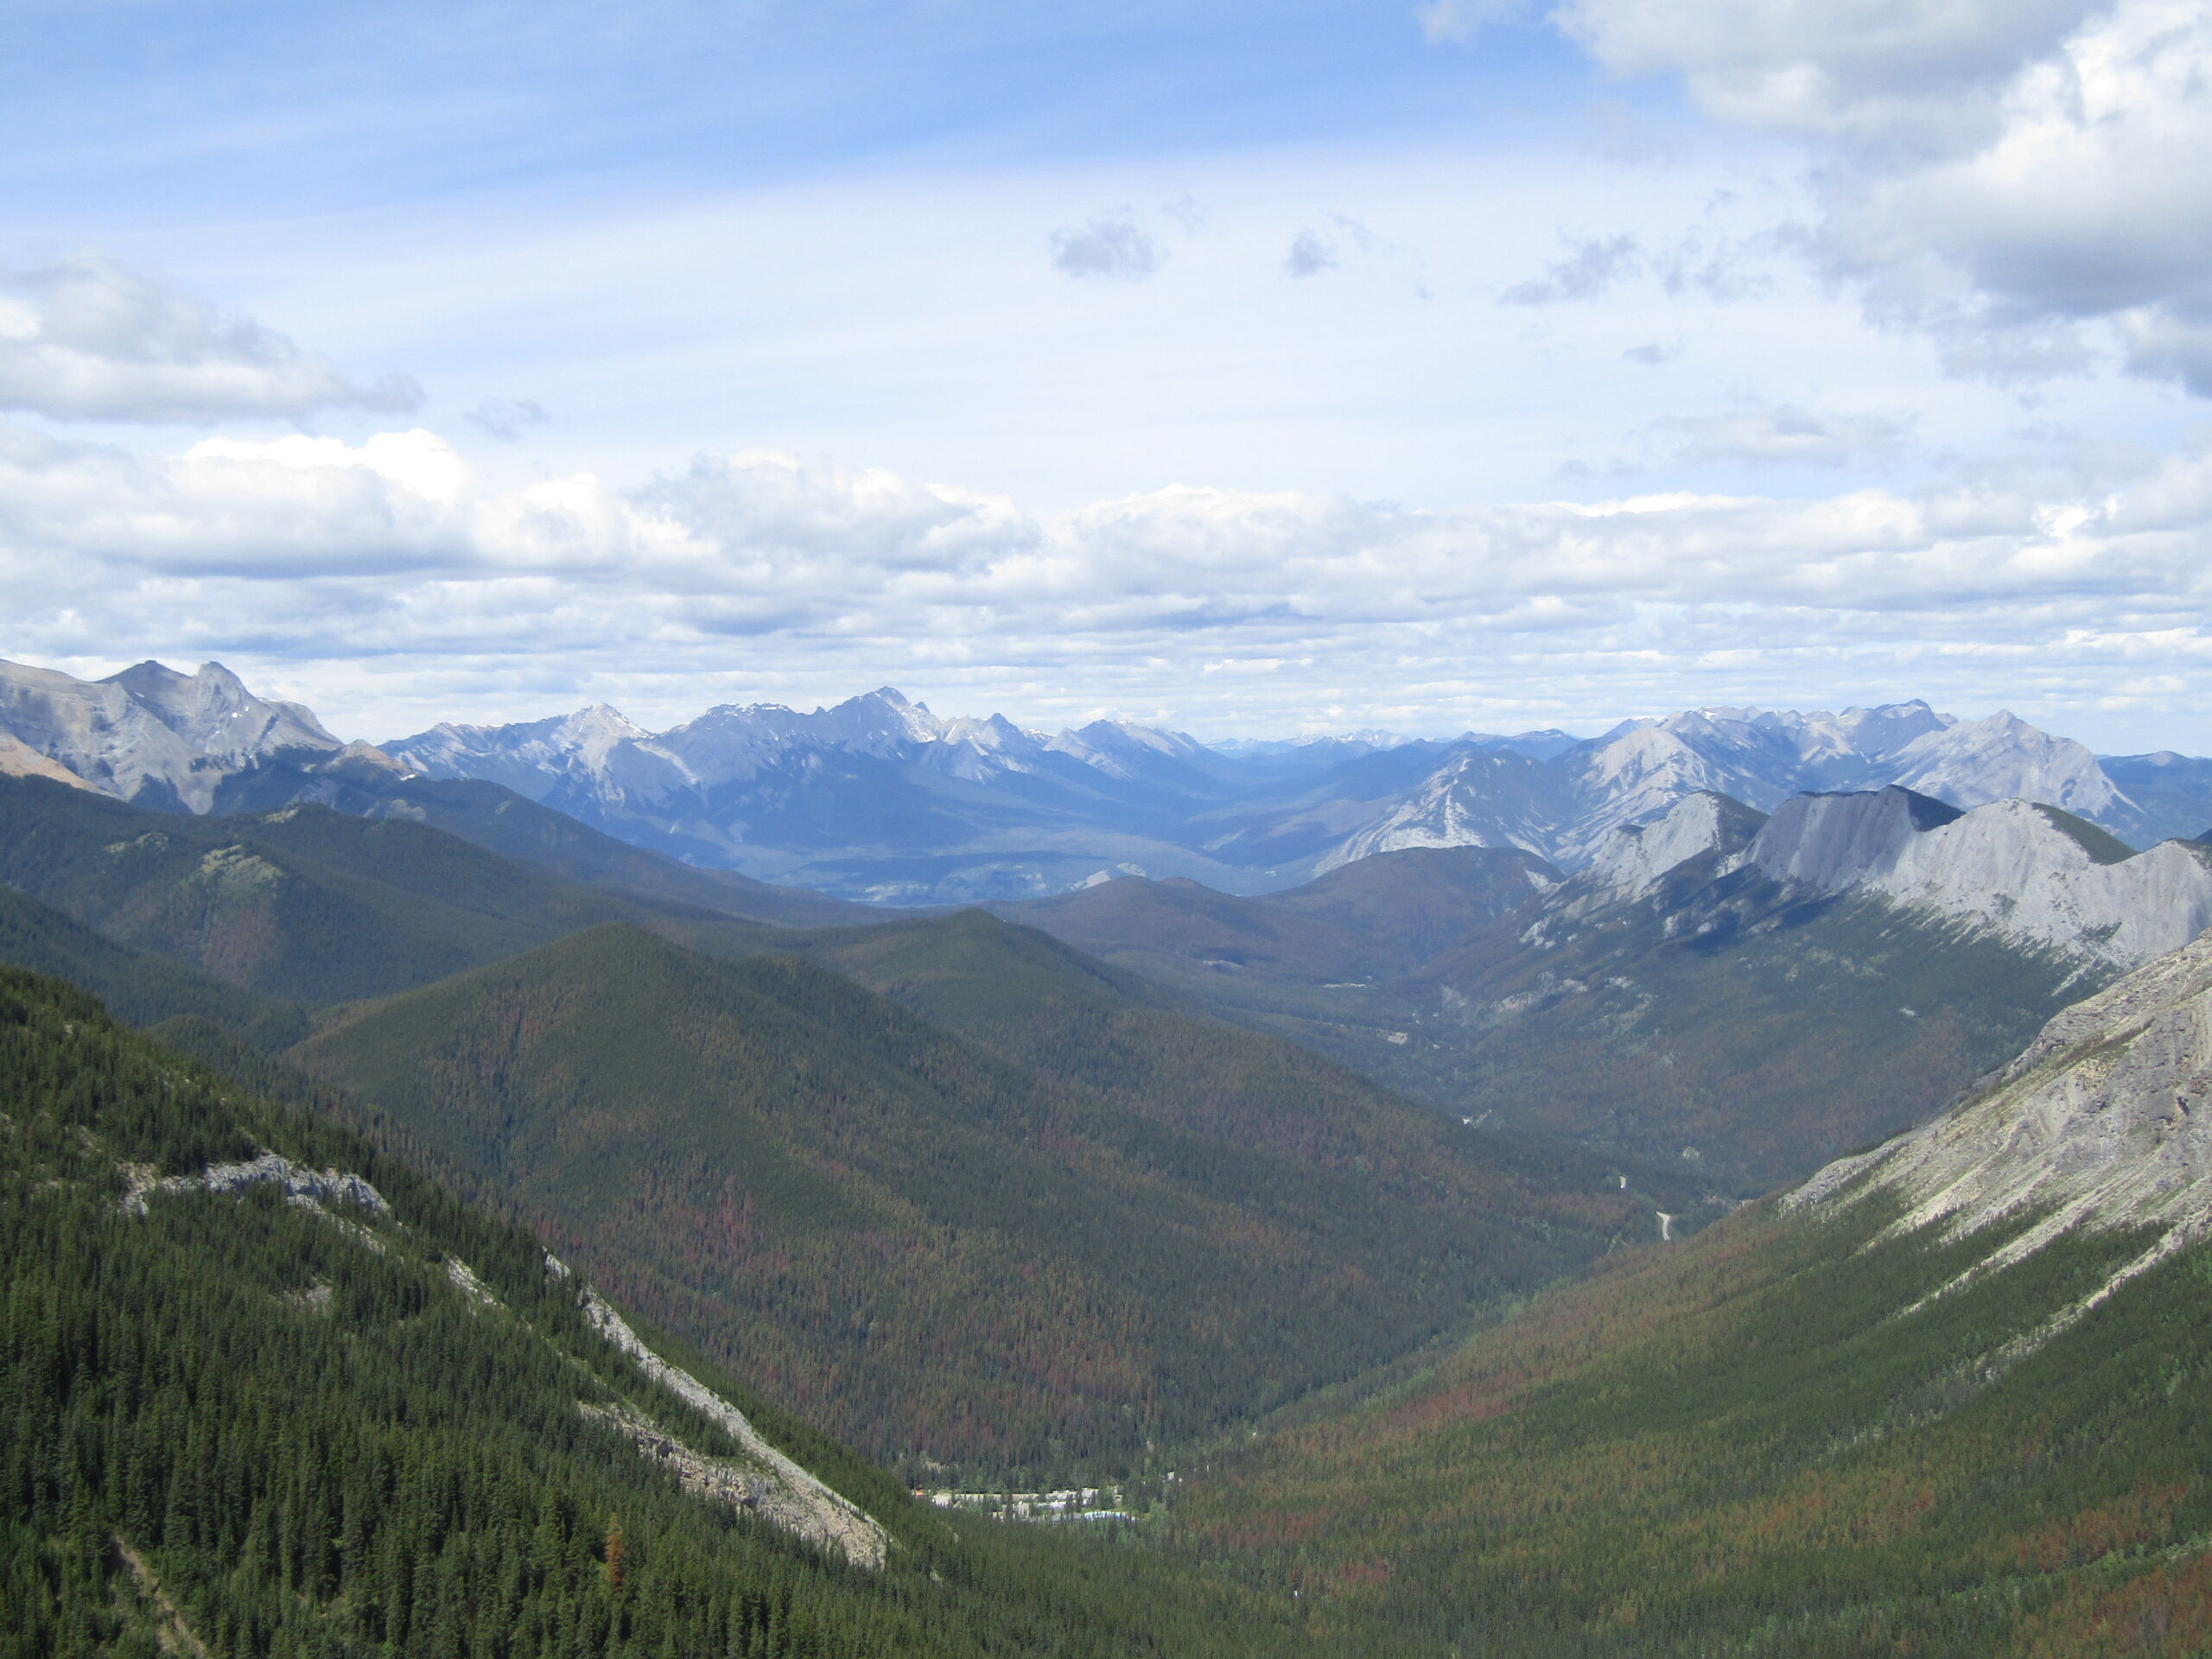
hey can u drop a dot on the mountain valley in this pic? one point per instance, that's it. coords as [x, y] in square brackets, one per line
[1530, 1200]
[1946, 1395]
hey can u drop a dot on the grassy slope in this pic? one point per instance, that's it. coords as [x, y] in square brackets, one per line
[936, 1252]
[1737, 1445]
[301, 1427]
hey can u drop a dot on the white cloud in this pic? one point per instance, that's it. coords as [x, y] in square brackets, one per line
[1109, 246]
[85, 339]
[300, 553]
[1911, 72]
[419, 461]
[2022, 180]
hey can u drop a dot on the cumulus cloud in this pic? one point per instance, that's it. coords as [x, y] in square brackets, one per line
[392, 550]
[85, 339]
[1112, 246]
[1593, 265]
[2021, 179]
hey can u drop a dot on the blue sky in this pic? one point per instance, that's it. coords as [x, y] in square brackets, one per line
[1249, 369]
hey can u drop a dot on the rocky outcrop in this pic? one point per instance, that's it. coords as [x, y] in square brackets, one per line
[1483, 799]
[2037, 877]
[715, 1480]
[784, 1493]
[1975, 762]
[2105, 1121]
[269, 1169]
[1633, 858]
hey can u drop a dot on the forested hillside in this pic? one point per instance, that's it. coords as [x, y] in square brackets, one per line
[267, 1392]
[1089, 1025]
[944, 1256]
[1763, 1442]
[302, 903]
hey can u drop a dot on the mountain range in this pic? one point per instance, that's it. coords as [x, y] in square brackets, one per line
[878, 799]
[506, 1236]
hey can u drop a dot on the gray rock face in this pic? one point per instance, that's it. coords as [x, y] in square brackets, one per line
[784, 1493]
[2028, 872]
[1831, 841]
[1634, 858]
[269, 1169]
[151, 734]
[2105, 1121]
[1975, 762]
[1480, 799]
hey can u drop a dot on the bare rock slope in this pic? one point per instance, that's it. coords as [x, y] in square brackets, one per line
[2104, 1122]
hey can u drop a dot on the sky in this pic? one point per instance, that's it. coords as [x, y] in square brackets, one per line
[1250, 370]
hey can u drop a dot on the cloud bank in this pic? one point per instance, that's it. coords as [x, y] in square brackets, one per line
[2023, 181]
[764, 574]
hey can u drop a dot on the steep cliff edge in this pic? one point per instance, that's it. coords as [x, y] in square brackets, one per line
[2034, 875]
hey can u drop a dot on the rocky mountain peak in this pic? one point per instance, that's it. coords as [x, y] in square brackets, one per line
[150, 733]
[1632, 858]
[1831, 841]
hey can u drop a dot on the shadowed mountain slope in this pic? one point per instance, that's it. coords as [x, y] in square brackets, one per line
[940, 1253]
[1096, 1028]
[138, 986]
[495, 819]
[1378, 918]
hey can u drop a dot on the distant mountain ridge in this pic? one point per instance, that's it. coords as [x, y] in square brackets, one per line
[879, 799]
